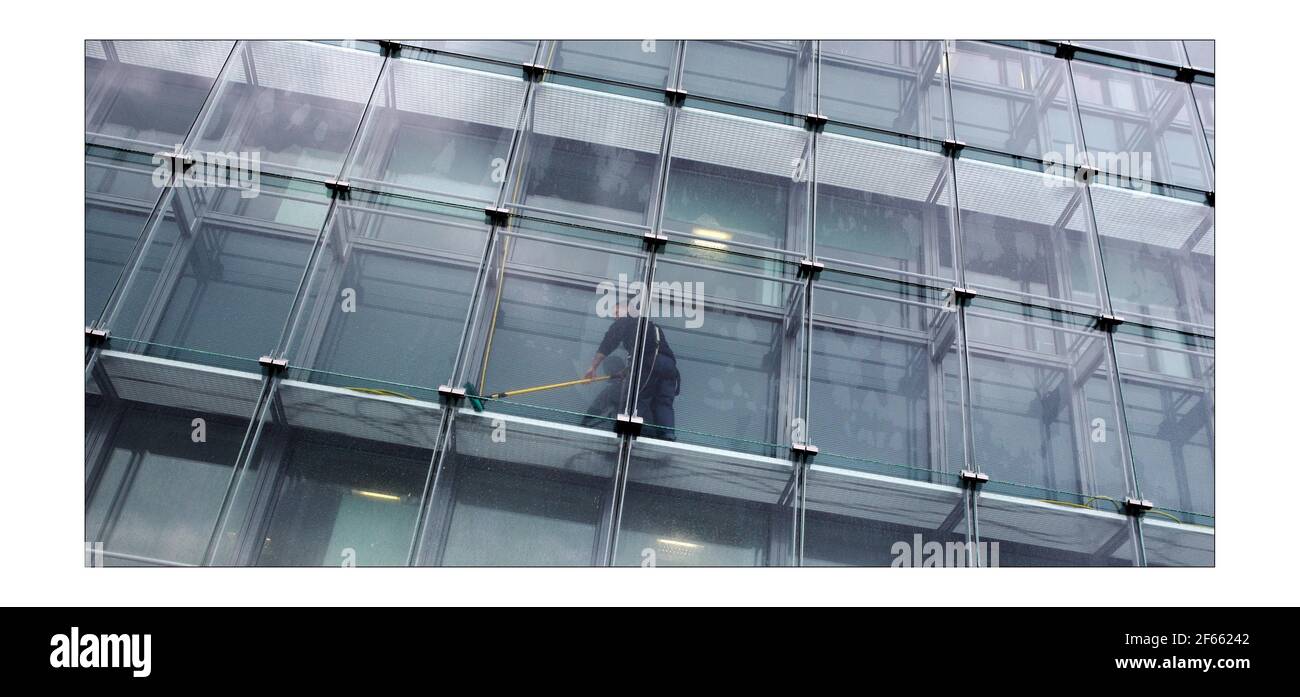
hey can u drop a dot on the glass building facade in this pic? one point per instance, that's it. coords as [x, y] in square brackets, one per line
[920, 295]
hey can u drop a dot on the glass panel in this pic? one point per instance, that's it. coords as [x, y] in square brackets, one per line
[884, 206]
[335, 479]
[145, 95]
[120, 194]
[510, 51]
[160, 455]
[723, 351]
[516, 492]
[1158, 255]
[738, 181]
[646, 62]
[276, 101]
[1168, 386]
[770, 74]
[896, 86]
[1013, 101]
[1141, 126]
[591, 154]
[1167, 544]
[1201, 54]
[1204, 95]
[440, 130]
[886, 391]
[219, 272]
[1017, 532]
[687, 506]
[1162, 51]
[857, 519]
[1044, 417]
[1026, 233]
[388, 300]
[548, 298]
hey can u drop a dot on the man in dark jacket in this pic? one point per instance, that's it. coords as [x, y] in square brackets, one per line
[660, 382]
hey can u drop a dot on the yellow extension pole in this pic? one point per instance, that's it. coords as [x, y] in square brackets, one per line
[553, 386]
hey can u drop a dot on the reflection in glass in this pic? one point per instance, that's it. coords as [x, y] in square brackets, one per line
[1020, 532]
[541, 317]
[737, 338]
[540, 497]
[219, 272]
[1158, 254]
[1142, 126]
[854, 519]
[636, 62]
[885, 391]
[1167, 380]
[734, 180]
[274, 101]
[770, 74]
[896, 86]
[145, 95]
[161, 449]
[1026, 233]
[389, 295]
[884, 206]
[1161, 50]
[690, 507]
[1044, 414]
[1012, 101]
[438, 129]
[591, 154]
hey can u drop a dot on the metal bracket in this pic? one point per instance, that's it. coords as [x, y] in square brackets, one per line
[674, 96]
[963, 295]
[953, 147]
[533, 71]
[391, 48]
[1066, 51]
[1084, 174]
[1108, 322]
[805, 450]
[273, 365]
[452, 394]
[630, 425]
[1209, 199]
[497, 216]
[1137, 506]
[974, 478]
[654, 239]
[815, 122]
[177, 162]
[1186, 74]
[96, 336]
[810, 267]
[342, 187]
